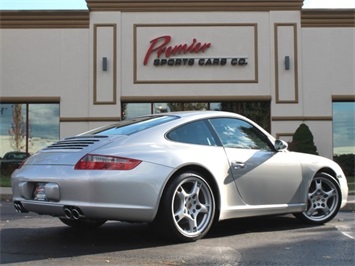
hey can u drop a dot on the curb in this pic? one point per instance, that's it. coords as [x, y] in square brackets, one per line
[6, 195]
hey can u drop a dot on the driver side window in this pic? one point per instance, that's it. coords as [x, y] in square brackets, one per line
[236, 133]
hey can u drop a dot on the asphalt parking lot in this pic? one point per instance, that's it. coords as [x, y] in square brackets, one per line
[31, 239]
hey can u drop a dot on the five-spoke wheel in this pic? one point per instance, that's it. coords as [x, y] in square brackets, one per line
[324, 199]
[187, 208]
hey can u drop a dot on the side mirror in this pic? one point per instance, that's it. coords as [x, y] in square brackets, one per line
[280, 145]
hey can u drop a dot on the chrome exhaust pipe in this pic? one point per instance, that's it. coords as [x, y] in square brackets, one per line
[72, 212]
[19, 208]
[68, 213]
[76, 214]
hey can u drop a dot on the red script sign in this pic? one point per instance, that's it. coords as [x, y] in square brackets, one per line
[163, 49]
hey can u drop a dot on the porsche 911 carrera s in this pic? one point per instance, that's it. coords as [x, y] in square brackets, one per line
[181, 172]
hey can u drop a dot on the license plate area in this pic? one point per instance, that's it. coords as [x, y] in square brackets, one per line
[39, 192]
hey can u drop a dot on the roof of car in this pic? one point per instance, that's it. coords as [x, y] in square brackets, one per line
[203, 113]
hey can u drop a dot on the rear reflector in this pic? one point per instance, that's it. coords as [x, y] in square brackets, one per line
[104, 162]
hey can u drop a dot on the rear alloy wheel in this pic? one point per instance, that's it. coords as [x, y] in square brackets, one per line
[83, 224]
[187, 208]
[324, 199]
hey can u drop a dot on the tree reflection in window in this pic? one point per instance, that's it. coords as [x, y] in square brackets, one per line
[28, 127]
[235, 133]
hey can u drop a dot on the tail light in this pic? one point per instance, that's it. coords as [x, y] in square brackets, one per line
[103, 162]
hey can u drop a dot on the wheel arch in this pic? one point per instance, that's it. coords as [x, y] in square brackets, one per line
[209, 178]
[330, 172]
[317, 194]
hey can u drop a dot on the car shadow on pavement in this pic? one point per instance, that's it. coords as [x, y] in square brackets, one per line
[53, 241]
[32, 244]
[256, 224]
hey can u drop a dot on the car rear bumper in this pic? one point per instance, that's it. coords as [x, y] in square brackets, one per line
[111, 195]
[87, 211]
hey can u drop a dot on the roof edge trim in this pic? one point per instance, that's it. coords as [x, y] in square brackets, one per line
[44, 19]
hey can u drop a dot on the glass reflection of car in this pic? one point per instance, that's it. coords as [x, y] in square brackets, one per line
[181, 172]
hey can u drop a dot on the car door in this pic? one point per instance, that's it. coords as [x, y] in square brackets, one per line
[262, 175]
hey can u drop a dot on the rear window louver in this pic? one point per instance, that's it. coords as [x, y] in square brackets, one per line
[75, 143]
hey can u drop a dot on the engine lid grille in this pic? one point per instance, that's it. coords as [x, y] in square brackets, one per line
[75, 143]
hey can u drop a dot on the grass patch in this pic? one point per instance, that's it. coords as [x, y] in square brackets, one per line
[351, 184]
[5, 181]
[351, 179]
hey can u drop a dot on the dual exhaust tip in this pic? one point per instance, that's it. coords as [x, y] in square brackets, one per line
[19, 207]
[72, 213]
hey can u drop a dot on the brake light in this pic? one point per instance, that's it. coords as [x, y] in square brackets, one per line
[104, 162]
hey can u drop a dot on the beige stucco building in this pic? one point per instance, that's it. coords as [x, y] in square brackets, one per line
[121, 56]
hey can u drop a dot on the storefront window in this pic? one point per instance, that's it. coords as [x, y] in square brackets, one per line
[256, 111]
[343, 128]
[161, 108]
[259, 112]
[43, 125]
[27, 127]
[12, 127]
[130, 110]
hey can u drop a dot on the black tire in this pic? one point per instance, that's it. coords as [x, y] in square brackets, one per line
[82, 224]
[187, 208]
[323, 200]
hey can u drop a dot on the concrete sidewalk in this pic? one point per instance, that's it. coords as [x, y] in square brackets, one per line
[6, 194]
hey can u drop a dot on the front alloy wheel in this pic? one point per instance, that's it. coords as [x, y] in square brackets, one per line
[187, 208]
[324, 199]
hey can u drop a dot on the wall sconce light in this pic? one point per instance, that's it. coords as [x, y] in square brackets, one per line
[104, 64]
[287, 62]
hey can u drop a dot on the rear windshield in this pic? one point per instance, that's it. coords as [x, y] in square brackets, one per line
[128, 127]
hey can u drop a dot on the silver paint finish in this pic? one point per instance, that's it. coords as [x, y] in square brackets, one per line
[246, 182]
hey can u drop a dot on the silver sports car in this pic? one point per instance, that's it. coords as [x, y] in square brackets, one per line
[181, 172]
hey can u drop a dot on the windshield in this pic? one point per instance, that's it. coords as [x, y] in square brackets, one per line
[128, 127]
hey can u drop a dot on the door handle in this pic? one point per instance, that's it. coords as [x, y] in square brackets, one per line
[238, 165]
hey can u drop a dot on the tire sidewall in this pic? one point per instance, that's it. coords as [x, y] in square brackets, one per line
[335, 211]
[166, 215]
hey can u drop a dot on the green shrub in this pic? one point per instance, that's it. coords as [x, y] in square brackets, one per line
[302, 140]
[346, 162]
[5, 181]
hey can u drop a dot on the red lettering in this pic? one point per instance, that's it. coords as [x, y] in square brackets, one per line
[152, 47]
[194, 47]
